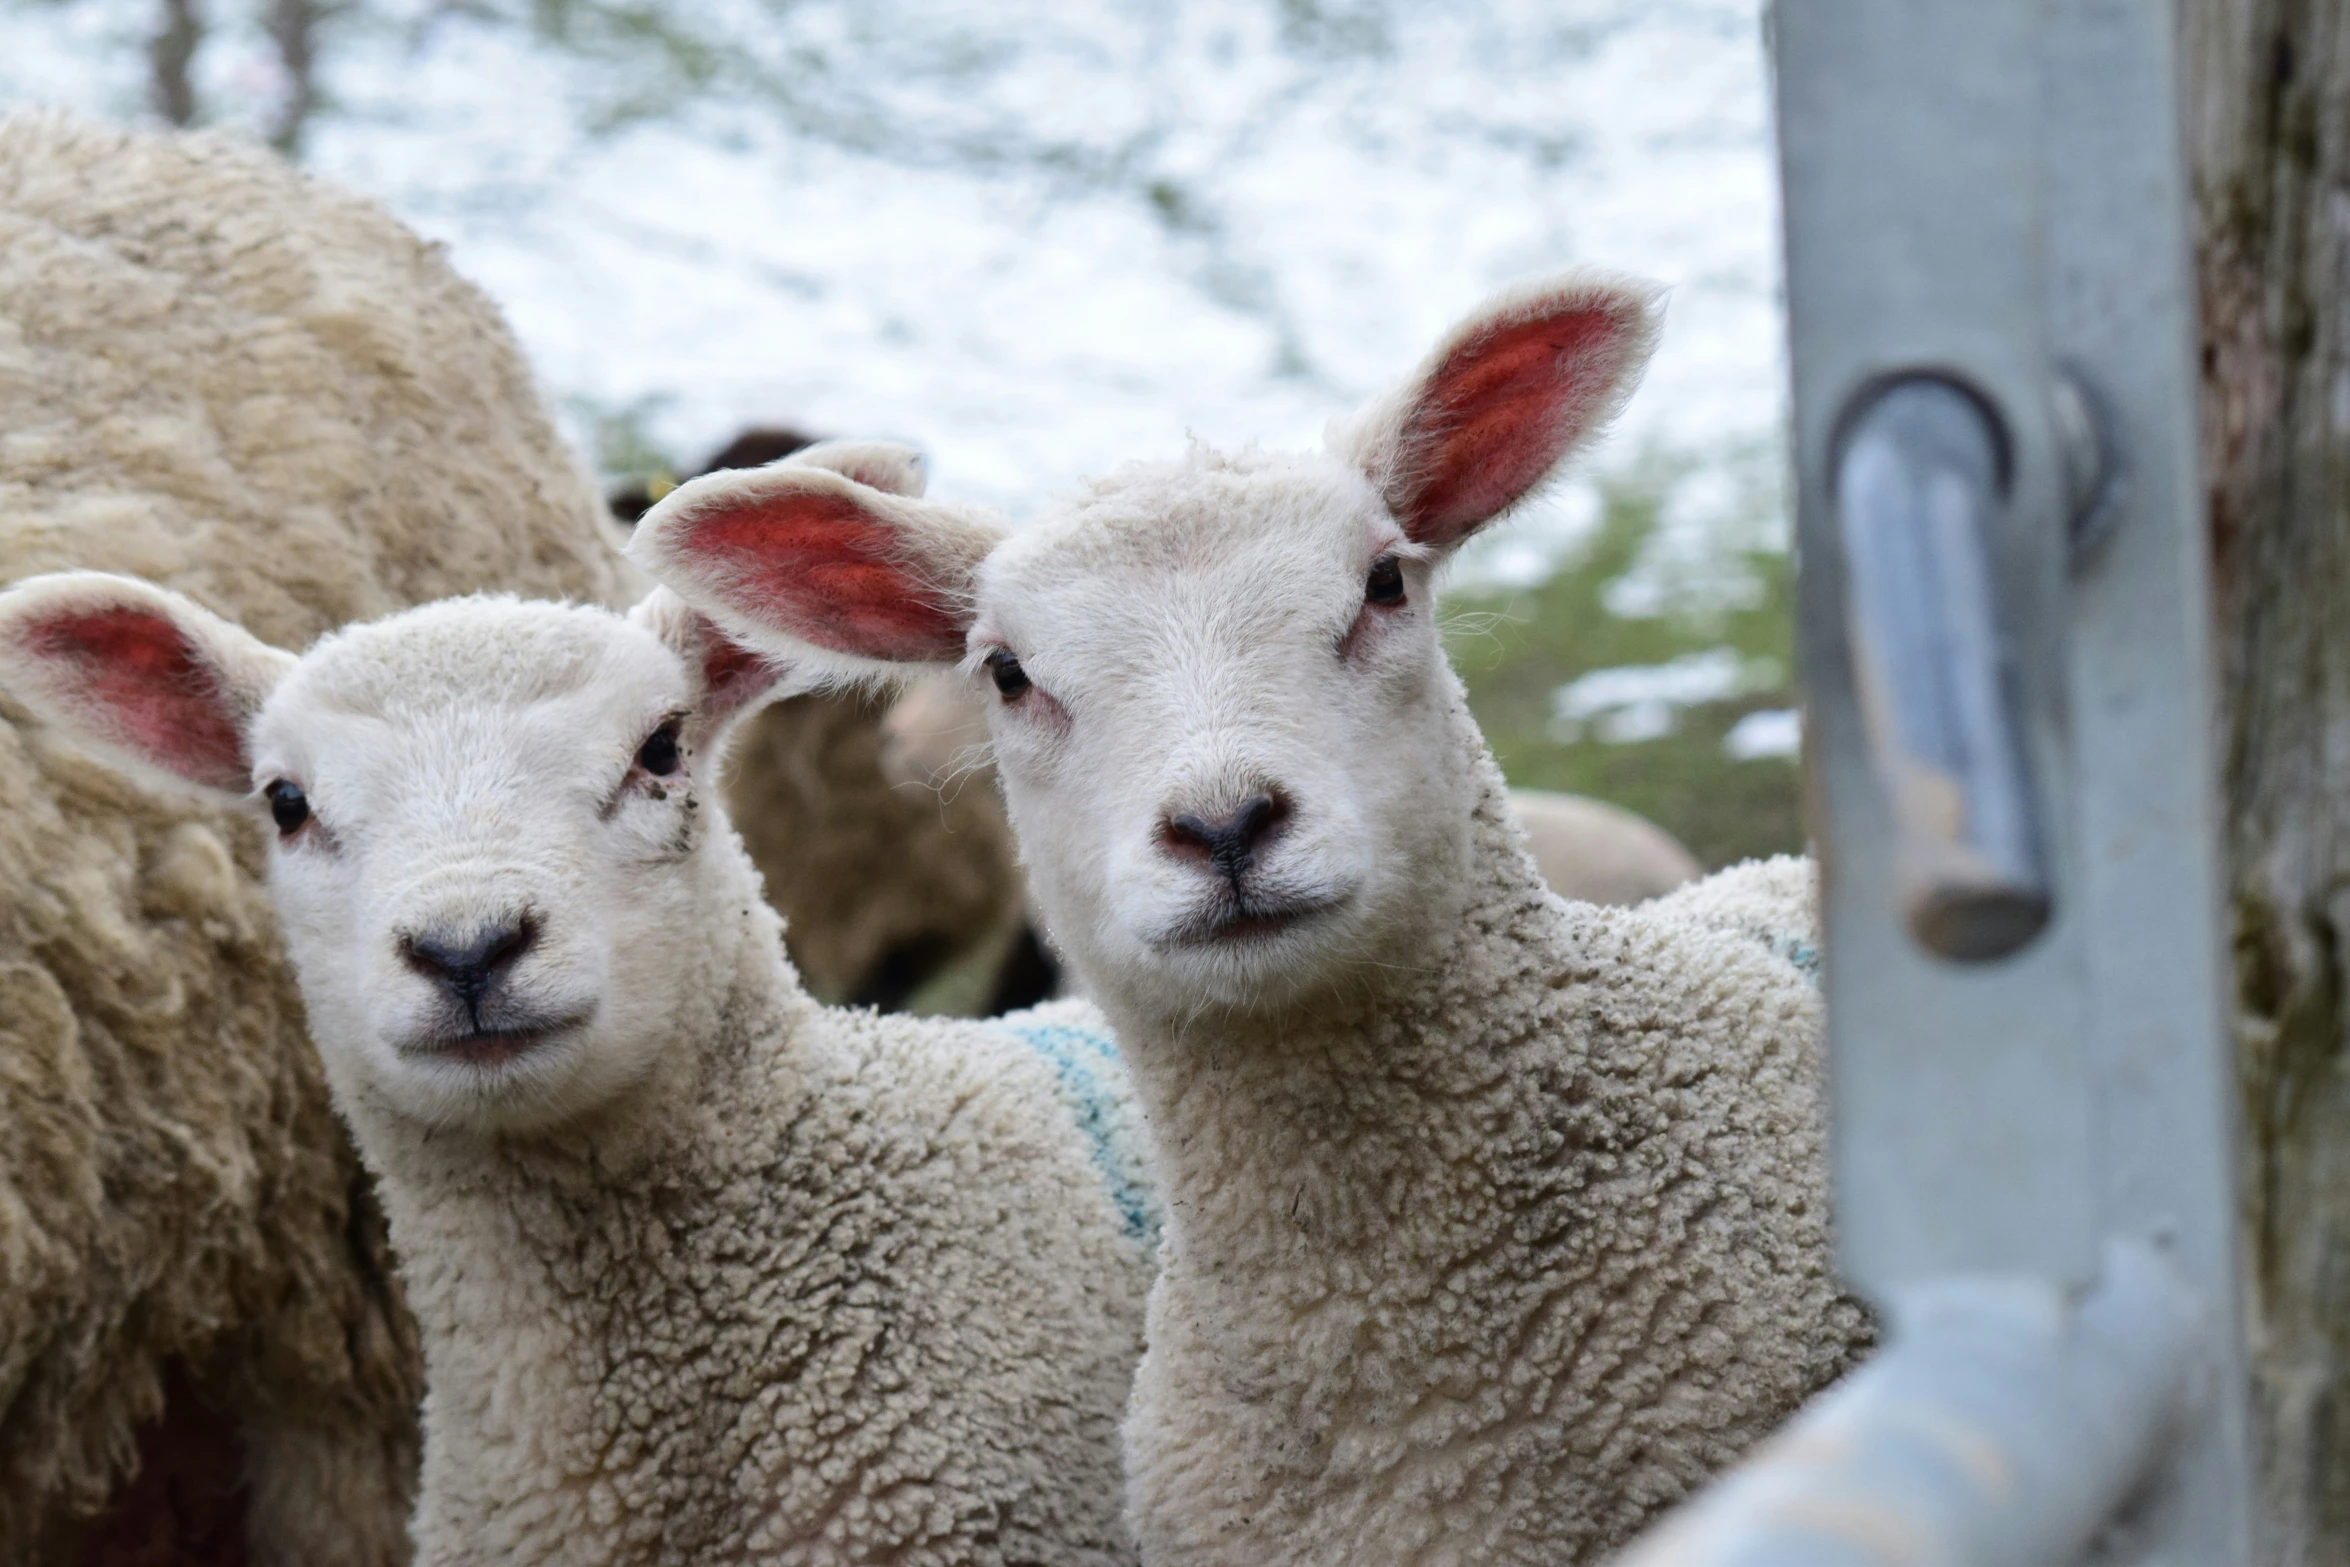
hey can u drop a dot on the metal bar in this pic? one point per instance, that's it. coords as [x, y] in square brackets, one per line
[1989, 197]
[1919, 487]
[1997, 1430]
[1910, 136]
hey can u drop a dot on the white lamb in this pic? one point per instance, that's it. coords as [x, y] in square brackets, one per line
[705, 1272]
[1495, 1223]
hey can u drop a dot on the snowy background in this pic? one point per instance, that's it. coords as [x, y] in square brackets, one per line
[1038, 237]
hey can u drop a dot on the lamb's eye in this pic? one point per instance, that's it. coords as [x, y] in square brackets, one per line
[1010, 678]
[1386, 584]
[289, 806]
[658, 755]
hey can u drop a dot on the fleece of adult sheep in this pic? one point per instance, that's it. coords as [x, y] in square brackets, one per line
[1496, 1223]
[268, 394]
[706, 1272]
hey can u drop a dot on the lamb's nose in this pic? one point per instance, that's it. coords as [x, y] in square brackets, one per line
[1229, 843]
[466, 964]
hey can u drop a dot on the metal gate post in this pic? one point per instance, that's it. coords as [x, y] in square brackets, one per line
[2005, 649]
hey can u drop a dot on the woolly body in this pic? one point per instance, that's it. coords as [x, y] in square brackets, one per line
[232, 379]
[853, 1291]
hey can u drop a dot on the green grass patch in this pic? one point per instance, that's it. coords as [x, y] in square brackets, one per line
[1725, 596]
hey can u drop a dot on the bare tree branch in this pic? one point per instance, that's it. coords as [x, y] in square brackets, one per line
[170, 53]
[293, 26]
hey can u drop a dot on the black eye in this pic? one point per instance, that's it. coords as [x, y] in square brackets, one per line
[289, 806]
[658, 755]
[1010, 678]
[1386, 584]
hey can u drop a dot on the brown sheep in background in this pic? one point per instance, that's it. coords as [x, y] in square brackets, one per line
[229, 378]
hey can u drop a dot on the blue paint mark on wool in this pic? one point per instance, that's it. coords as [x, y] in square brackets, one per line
[1087, 1064]
[1803, 954]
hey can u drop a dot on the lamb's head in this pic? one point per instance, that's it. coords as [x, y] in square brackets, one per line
[1220, 709]
[493, 845]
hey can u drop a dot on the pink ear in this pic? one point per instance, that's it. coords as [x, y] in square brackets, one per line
[1500, 403]
[734, 677]
[138, 671]
[821, 560]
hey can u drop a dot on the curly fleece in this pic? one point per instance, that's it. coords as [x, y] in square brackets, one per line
[829, 1287]
[233, 380]
[1495, 1263]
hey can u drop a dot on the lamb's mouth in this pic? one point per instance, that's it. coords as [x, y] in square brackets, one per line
[495, 1045]
[1238, 921]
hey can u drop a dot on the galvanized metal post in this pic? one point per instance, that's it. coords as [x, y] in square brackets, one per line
[1991, 193]
[2005, 652]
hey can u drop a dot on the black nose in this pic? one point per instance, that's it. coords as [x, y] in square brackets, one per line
[1229, 845]
[467, 964]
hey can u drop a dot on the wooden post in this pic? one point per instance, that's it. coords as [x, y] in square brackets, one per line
[2268, 136]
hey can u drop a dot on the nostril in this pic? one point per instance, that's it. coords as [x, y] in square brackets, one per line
[1188, 835]
[1259, 817]
[1229, 842]
[511, 943]
[466, 964]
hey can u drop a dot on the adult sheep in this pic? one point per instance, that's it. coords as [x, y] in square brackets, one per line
[1496, 1223]
[227, 377]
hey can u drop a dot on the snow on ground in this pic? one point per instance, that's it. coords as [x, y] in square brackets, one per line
[1103, 223]
[1630, 703]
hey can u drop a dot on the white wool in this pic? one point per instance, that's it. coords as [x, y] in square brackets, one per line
[706, 1272]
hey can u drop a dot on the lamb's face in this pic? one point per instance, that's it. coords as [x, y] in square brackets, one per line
[1219, 719]
[1224, 726]
[488, 818]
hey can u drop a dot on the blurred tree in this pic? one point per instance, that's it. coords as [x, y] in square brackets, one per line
[171, 51]
[1204, 88]
[294, 26]
[2268, 112]
[293, 29]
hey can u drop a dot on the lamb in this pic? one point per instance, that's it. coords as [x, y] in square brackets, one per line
[268, 394]
[705, 1272]
[1495, 1223]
